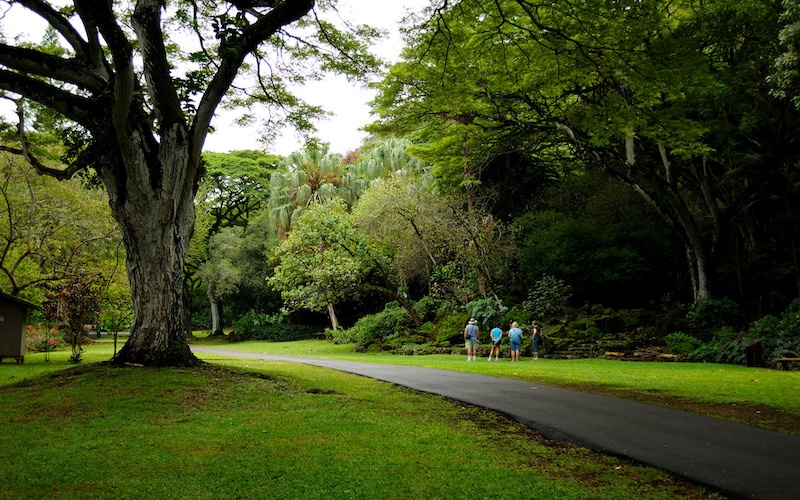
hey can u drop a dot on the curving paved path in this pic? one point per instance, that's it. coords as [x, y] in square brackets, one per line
[738, 460]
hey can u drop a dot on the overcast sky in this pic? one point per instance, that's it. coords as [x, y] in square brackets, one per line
[347, 101]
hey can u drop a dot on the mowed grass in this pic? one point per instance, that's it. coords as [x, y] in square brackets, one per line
[254, 429]
[757, 396]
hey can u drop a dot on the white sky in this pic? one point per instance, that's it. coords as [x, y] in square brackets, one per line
[347, 101]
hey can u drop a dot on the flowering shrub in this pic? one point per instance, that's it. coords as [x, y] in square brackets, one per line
[39, 338]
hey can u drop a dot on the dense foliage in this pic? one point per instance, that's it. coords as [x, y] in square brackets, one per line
[271, 327]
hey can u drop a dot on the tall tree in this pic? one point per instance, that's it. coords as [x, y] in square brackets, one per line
[145, 104]
[307, 177]
[322, 260]
[236, 186]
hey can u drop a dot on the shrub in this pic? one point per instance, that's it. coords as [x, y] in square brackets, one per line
[426, 308]
[548, 298]
[713, 313]
[392, 320]
[486, 311]
[271, 327]
[788, 349]
[681, 343]
[341, 336]
[780, 337]
[727, 346]
[41, 339]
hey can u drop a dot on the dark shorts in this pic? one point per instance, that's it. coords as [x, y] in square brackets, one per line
[496, 343]
[516, 345]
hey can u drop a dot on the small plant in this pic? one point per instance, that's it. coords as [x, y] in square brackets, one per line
[76, 357]
[487, 311]
[71, 306]
[681, 343]
[548, 298]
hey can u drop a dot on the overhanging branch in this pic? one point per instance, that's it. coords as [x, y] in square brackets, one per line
[34, 62]
[26, 153]
[71, 106]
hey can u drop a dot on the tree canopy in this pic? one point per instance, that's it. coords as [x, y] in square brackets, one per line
[670, 99]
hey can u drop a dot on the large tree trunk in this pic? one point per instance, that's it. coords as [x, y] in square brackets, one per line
[673, 209]
[154, 206]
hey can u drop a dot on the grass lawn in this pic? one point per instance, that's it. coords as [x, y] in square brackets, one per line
[756, 396]
[248, 429]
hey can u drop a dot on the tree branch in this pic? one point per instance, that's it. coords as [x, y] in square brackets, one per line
[74, 107]
[101, 15]
[57, 20]
[67, 70]
[233, 53]
[28, 155]
[147, 24]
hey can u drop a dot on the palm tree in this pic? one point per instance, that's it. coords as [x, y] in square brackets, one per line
[310, 176]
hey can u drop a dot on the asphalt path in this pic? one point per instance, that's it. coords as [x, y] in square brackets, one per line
[738, 460]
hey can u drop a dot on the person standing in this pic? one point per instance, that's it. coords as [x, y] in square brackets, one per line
[471, 338]
[497, 341]
[515, 336]
[536, 338]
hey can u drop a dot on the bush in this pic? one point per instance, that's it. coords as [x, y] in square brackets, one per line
[41, 339]
[486, 311]
[271, 327]
[548, 298]
[726, 347]
[341, 336]
[682, 344]
[426, 308]
[392, 320]
[780, 337]
[713, 313]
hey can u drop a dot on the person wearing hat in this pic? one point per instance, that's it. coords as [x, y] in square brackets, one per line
[471, 337]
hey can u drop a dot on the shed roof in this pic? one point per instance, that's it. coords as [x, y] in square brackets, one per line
[10, 298]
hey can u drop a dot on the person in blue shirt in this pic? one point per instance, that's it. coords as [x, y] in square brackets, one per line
[515, 336]
[471, 338]
[497, 341]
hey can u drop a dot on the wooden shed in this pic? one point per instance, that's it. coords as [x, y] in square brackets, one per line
[13, 322]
